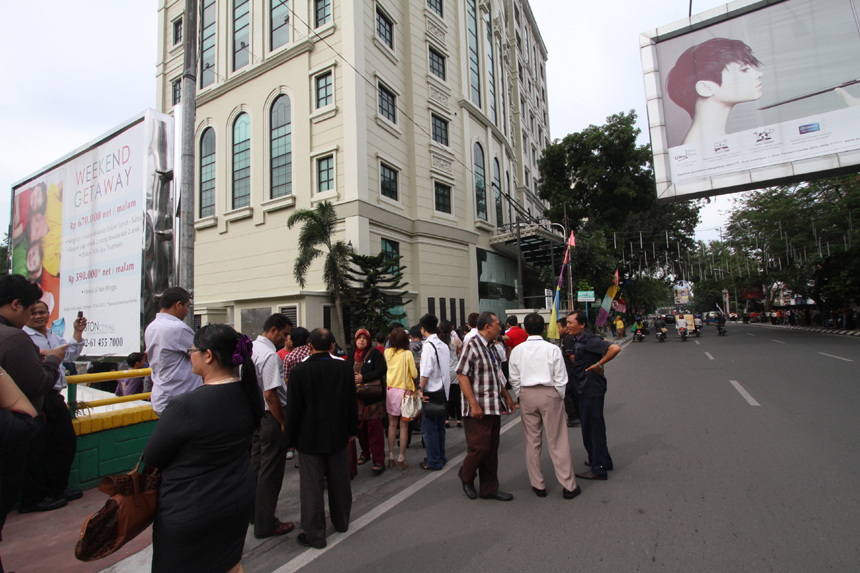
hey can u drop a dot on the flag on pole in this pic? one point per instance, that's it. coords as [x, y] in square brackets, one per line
[572, 241]
[552, 327]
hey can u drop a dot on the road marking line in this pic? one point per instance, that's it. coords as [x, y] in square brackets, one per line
[750, 334]
[744, 393]
[310, 554]
[836, 357]
[775, 340]
[697, 343]
[708, 354]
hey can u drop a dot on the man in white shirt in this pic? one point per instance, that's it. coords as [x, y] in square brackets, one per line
[435, 382]
[268, 446]
[680, 323]
[473, 325]
[539, 378]
[167, 340]
[52, 450]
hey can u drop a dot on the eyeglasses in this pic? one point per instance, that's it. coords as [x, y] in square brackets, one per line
[192, 350]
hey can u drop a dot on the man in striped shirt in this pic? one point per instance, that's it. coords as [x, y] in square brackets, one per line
[483, 391]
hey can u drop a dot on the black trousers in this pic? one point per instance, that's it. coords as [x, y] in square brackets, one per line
[51, 453]
[571, 398]
[12, 460]
[594, 433]
[268, 457]
[318, 472]
[455, 407]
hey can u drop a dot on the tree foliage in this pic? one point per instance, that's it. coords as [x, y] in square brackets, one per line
[374, 280]
[605, 181]
[317, 232]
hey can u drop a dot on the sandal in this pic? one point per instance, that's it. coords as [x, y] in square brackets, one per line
[447, 424]
[423, 465]
[361, 460]
[459, 424]
[378, 468]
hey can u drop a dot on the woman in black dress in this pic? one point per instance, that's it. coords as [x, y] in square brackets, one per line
[201, 444]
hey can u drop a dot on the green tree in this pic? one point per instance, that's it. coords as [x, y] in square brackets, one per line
[4, 255]
[375, 279]
[318, 231]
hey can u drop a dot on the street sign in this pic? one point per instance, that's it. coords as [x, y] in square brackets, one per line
[585, 296]
[548, 294]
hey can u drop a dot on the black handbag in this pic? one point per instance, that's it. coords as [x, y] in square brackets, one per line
[438, 404]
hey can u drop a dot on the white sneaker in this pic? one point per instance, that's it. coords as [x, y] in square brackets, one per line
[290, 454]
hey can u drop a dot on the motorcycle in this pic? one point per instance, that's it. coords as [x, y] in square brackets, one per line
[698, 332]
[638, 336]
[721, 330]
[683, 332]
[661, 336]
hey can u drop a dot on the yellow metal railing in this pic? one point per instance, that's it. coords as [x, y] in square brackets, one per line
[74, 405]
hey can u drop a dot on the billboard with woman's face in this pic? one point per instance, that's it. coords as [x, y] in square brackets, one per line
[754, 94]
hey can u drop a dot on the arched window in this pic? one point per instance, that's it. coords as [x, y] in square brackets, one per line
[282, 148]
[474, 57]
[497, 192]
[480, 183]
[207, 173]
[242, 161]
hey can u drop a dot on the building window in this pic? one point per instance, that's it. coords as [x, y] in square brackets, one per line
[324, 87]
[176, 91]
[508, 193]
[392, 249]
[177, 32]
[443, 198]
[540, 137]
[491, 73]
[242, 161]
[207, 173]
[474, 59]
[443, 315]
[280, 22]
[387, 104]
[436, 6]
[388, 181]
[528, 178]
[325, 174]
[322, 9]
[453, 306]
[437, 64]
[241, 34]
[384, 28]
[431, 306]
[517, 15]
[282, 148]
[523, 106]
[462, 311]
[532, 122]
[519, 42]
[440, 129]
[525, 145]
[480, 183]
[502, 78]
[497, 192]
[207, 44]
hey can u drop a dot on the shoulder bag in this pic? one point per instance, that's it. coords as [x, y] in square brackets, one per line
[410, 405]
[438, 404]
[371, 392]
[130, 510]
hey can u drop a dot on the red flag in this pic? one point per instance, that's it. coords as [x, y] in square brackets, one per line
[616, 277]
[572, 241]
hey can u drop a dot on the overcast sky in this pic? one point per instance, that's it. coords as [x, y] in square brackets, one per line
[77, 69]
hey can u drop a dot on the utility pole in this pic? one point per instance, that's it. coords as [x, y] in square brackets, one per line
[189, 119]
[570, 264]
[520, 295]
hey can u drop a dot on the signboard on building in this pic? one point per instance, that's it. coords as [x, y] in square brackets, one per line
[585, 296]
[79, 227]
[742, 99]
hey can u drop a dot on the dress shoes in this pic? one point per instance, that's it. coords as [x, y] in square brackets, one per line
[571, 494]
[590, 475]
[305, 542]
[469, 488]
[500, 495]
[49, 503]
[72, 495]
[588, 463]
[539, 492]
[281, 529]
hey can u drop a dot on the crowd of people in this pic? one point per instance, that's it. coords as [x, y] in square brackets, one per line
[233, 411]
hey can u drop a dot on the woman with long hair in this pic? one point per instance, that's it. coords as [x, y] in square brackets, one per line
[369, 366]
[449, 337]
[201, 444]
[401, 381]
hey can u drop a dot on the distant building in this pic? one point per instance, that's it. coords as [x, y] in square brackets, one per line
[417, 118]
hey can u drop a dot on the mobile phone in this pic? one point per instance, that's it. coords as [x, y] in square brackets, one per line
[80, 314]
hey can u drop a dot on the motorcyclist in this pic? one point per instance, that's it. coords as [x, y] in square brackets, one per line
[698, 322]
[680, 323]
[660, 325]
[721, 321]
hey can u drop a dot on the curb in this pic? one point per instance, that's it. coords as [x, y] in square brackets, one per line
[811, 329]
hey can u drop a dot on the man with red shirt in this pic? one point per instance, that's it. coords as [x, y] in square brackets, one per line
[515, 334]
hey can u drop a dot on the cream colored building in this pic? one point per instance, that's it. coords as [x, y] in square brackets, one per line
[417, 118]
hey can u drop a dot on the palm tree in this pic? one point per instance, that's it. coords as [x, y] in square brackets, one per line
[317, 231]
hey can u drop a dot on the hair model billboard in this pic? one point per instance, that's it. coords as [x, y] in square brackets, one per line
[752, 94]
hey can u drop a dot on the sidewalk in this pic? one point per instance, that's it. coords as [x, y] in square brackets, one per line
[811, 329]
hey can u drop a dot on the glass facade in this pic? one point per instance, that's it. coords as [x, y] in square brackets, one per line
[480, 183]
[281, 148]
[207, 43]
[242, 161]
[207, 173]
[474, 57]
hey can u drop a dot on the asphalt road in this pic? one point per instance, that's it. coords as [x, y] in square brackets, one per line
[703, 481]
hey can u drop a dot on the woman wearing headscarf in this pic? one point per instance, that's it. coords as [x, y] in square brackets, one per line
[370, 368]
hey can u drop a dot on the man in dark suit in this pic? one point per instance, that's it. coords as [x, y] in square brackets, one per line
[321, 418]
